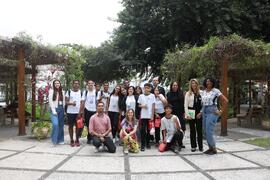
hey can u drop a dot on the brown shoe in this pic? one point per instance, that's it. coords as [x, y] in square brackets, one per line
[208, 151]
[214, 151]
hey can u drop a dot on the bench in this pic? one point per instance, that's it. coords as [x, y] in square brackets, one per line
[252, 118]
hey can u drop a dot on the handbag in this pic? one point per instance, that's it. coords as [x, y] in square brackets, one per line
[80, 123]
[157, 122]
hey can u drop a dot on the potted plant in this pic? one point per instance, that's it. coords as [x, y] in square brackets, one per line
[41, 129]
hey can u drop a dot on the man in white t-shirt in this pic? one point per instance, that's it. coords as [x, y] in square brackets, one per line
[104, 96]
[74, 110]
[89, 104]
[147, 104]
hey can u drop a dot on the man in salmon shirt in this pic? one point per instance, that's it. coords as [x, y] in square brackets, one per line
[100, 128]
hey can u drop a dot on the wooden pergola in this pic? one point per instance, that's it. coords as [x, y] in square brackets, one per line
[18, 58]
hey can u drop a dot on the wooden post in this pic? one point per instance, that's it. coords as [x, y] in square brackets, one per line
[33, 82]
[249, 94]
[224, 85]
[21, 92]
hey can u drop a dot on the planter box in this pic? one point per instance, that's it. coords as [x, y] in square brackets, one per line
[41, 132]
[266, 125]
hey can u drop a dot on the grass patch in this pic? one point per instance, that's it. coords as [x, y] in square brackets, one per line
[262, 142]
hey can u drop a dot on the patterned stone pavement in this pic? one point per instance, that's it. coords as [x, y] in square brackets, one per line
[26, 158]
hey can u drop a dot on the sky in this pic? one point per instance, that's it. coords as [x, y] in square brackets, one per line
[84, 22]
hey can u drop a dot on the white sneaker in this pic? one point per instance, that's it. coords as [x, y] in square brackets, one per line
[114, 140]
[62, 143]
[125, 151]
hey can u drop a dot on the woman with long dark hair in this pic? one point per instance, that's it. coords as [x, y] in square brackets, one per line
[114, 109]
[211, 112]
[57, 101]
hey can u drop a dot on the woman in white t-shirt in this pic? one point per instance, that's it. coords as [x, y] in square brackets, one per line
[160, 103]
[211, 112]
[114, 109]
[131, 100]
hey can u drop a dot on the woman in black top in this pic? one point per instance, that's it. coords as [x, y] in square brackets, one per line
[175, 98]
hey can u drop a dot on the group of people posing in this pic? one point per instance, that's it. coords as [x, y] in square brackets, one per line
[128, 114]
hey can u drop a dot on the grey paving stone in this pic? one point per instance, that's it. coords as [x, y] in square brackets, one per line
[59, 149]
[5, 153]
[262, 157]
[19, 174]
[152, 152]
[169, 176]
[94, 164]
[258, 174]
[81, 176]
[219, 161]
[236, 146]
[89, 150]
[158, 164]
[16, 145]
[32, 161]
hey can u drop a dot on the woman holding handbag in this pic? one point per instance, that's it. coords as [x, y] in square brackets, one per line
[193, 114]
[161, 102]
[57, 102]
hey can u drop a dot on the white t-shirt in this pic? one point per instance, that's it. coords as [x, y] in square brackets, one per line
[131, 102]
[74, 96]
[170, 127]
[104, 97]
[90, 100]
[208, 97]
[114, 107]
[159, 106]
[149, 100]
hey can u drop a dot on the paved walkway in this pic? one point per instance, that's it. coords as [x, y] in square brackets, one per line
[27, 158]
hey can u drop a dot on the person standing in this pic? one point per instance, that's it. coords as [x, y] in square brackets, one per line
[193, 114]
[114, 110]
[160, 103]
[74, 110]
[155, 84]
[100, 128]
[57, 102]
[89, 104]
[175, 98]
[103, 96]
[147, 104]
[211, 112]
[137, 93]
[171, 130]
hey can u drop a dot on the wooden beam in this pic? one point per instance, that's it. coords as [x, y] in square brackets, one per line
[21, 91]
[224, 86]
[33, 82]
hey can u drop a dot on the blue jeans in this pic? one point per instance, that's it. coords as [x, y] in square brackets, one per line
[209, 123]
[57, 135]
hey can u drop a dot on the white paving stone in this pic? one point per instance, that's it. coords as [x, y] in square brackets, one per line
[81, 176]
[89, 150]
[19, 174]
[236, 146]
[58, 149]
[169, 176]
[260, 157]
[219, 161]
[258, 174]
[158, 164]
[94, 164]
[32, 161]
[5, 153]
[16, 145]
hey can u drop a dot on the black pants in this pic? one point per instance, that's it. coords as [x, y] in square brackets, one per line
[145, 132]
[182, 120]
[108, 143]
[177, 138]
[196, 131]
[157, 129]
[114, 117]
[71, 123]
[87, 116]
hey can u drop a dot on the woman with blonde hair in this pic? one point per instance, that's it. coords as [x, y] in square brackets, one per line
[193, 114]
[128, 132]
